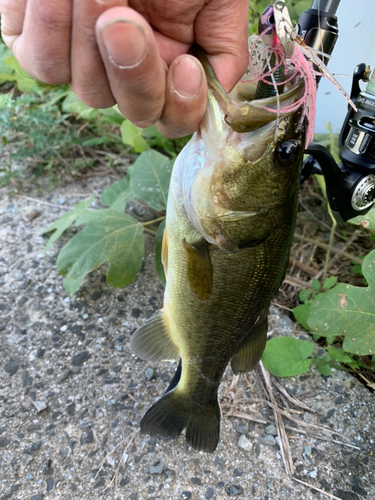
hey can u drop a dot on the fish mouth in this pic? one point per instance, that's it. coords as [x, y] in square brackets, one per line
[248, 116]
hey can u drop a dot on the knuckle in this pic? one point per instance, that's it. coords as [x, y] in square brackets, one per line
[52, 15]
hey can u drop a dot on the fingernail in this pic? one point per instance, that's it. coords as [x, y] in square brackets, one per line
[187, 77]
[125, 42]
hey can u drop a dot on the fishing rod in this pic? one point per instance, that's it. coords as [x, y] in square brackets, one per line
[350, 184]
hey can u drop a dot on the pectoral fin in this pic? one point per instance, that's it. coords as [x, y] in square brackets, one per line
[164, 253]
[153, 342]
[250, 350]
[199, 269]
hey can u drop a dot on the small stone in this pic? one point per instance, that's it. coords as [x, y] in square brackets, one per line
[325, 484]
[27, 379]
[149, 373]
[64, 328]
[157, 467]
[286, 322]
[269, 440]
[40, 496]
[80, 358]
[244, 443]
[136, 312]
[49, 484]
[40, 352]
[234, 490]
[238, 471]
[111, 380]
[307, 450]
[219, 463]
[124, 481]
[11, 367]
[209, 493]
[242, 429]
[89, 438]
[165, 377]
[64, 376]
[33, 448]
[4, 441]
[39, 405]
[96, 295]
[271, 430]
[19, 277]
[330, 412]
[62, 200]
[196, 480]
[133, 496]
[55, 416]
[186, 495]
[71, 409]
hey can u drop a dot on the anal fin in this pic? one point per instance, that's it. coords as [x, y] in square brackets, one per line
[153, 342]
[250, 350]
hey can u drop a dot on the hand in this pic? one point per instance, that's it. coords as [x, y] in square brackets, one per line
[131, 53]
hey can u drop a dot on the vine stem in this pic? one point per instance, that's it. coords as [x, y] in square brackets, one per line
[330, 244]
[148, 223]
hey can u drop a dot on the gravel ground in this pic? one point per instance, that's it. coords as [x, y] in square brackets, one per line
[70, 392]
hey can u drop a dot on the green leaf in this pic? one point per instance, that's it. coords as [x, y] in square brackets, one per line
[66, 220]
[287, 356]
[315, 284]
[109, 236]
[118, 194]
[158, 244]
[4, 68]
[72, 104]
[25, 82]
[301, 314]
[330, 282]
[304, 295]
[349, 311]
[322, 364]
[132, 136]
[367, 220]
[112, 115]
[339, 355]
[150, 178]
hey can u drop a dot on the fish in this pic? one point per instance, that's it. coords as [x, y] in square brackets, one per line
[230, 220]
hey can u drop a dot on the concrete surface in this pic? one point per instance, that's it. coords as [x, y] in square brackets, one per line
[70, 392]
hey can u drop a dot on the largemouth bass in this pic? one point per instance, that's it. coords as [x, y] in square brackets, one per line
[230, 220]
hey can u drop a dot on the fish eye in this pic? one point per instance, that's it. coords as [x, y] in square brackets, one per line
[288, 152]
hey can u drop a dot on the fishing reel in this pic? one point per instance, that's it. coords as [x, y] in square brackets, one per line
[350, 185]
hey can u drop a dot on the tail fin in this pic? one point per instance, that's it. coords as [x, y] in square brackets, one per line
[174, 412]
